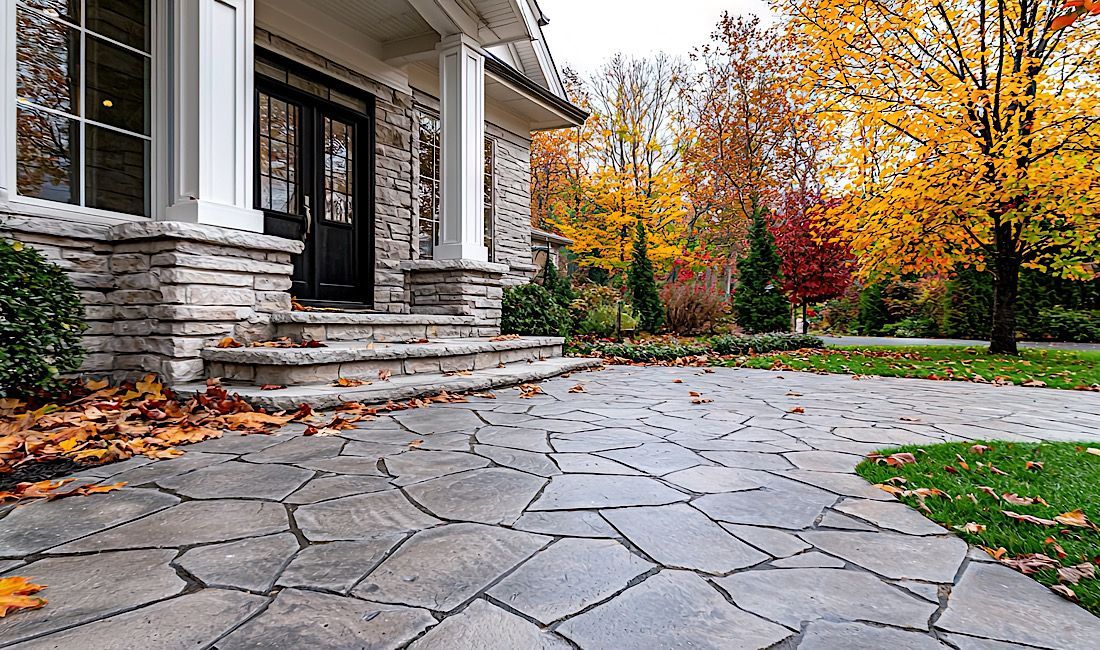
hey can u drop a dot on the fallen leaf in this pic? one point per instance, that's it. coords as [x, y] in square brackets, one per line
[16, 593]
[505, 337]
[972, 527]
[1064, 592]
[990, 491]
[890, 489]
[579, 388]
[962, 463]
[272, 387]
[527, 391]
[1034, 383]
[797, 409]
[1034, 466]
[893, 460]
[1075, 518]
[415, 444]
[229, 342]
[677, 381]
[1076, 573]
[1029, 563]
[384, 374]
[1016, 500]
[979, 449]
[1029, 519]
[1093, 450]
[485, 395]
[997, 554]
[346, 382]
[1058, 550]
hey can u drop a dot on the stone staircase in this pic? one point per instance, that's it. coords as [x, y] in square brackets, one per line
[380, 357]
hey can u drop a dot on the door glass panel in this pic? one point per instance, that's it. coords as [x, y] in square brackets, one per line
[47, 62]
[339, 170]
[46, 166]
[279, 154]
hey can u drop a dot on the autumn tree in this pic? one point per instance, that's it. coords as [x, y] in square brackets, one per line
[558, 163]
[630, 167]
[815, 265]
[758, 302]
[967, 135]
[742, 130]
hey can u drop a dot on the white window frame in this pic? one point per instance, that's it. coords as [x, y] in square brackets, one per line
[159, 127]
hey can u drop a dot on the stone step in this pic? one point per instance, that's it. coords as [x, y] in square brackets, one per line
[403, 387]
[366, 326]
[364, 360]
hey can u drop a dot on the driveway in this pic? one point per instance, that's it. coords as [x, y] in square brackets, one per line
[630, 515]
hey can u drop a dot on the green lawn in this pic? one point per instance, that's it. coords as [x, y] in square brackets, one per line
[1050, 368]
[1066, 478]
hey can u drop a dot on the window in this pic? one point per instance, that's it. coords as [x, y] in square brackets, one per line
[430, 187]
[489, 194]
[279, 152]
[339, 169]
[83, 114]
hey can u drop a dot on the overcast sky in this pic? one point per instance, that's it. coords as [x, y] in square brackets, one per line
[584, 33]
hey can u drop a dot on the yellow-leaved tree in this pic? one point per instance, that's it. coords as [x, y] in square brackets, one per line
[967, 134]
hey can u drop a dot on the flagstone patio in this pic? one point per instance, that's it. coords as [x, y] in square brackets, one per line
[625, 516]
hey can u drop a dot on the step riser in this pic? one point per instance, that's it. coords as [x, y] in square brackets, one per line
[294, 375]
[379, 333]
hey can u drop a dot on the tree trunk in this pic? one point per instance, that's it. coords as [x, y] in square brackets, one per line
[1006, 285]
[805, 323]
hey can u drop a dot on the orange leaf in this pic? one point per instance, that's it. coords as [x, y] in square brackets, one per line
[16, 593]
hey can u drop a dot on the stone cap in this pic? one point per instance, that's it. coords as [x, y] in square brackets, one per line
[369, 318]
[429, 266]
[348, 351]
[138, 230]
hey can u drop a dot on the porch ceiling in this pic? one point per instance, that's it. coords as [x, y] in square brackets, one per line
[385, 21]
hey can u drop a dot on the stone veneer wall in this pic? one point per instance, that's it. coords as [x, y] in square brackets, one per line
[458, 288]
[157, 292]
[393, 164]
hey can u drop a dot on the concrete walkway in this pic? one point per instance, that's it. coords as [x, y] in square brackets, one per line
[873, 341]
[624, 516]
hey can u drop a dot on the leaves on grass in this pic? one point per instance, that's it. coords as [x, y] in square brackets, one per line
[1017, 500]
[1075, 518]
[995, 554]
[1093, 450]
[893, 460]
[1039, 521]
[971, 527]
[1064, 592]
[1029, 563]
[1076, 573]
[17, 593]
[1034, 466]
[979, 449]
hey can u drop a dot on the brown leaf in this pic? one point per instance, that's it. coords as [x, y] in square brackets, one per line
[979, 449]
[1064, 592]
[677, 381]
[527, 391]
[962, 463]
[579, 388]
[972, 527]
[346, 382]
[797, 409]
[384, 374]
[1029, 563]
[890, 489]
[505, 337]
[229, 342]
[997, 554]
[1075, 518]
[1016, 500]
[990, 491]
[1074, 574]
[272, 387]
[1029, 519]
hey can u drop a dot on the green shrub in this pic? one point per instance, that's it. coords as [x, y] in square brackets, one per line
[41, 320]
[643, 352]
[593, 296]
[912, 327]
[762, 343]
[969, 305]
[530, 310]
[840, 314]
[600, 321]
[873, 314]
[1059, 324]
[557, 285]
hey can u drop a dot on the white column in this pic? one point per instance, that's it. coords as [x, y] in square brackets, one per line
[462, 117]
[211, 79]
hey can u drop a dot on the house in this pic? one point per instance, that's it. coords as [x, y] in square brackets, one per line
[548, 248]
[355, 171]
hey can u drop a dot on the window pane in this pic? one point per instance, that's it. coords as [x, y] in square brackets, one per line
[65, 9]
[338, 171]
[117, 171]
[125, 21]
[46, 157]
[279, 151]
[117, 85]
[489, 196]
[47, 62]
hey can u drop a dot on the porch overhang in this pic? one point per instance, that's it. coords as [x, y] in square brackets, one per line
[521, 95]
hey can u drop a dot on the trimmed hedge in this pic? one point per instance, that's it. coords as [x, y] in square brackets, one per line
[531, 310]
[658, 351]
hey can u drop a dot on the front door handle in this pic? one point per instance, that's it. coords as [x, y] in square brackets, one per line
[309, 219]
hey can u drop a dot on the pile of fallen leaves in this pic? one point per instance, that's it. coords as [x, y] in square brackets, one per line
[281, 342]
[99, 423]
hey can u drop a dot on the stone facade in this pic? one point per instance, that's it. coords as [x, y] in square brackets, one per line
[157, 292]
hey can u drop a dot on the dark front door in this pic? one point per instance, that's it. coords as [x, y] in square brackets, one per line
[313, 183]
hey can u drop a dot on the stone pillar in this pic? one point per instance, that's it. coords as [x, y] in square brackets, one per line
[462, 118]
[211, 86]
[458, 288]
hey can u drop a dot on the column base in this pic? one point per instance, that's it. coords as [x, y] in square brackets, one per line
[216, 214]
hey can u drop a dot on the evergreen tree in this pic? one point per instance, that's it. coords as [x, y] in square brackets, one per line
[643, 286]
[758, 303]
[873, 314]
[969, 305]
[557, 285]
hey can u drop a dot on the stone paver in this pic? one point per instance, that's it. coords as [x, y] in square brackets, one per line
[666, 609]
[594, 569]
[621, 517]
[303, 619]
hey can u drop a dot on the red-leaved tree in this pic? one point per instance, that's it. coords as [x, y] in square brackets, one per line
[814, 268]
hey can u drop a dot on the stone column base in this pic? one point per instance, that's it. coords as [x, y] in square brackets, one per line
[457, 288]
